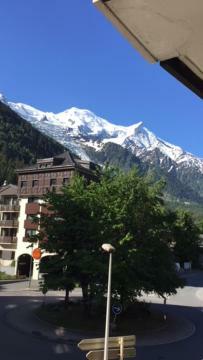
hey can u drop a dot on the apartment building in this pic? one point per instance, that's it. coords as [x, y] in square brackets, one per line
[19, 203]
[9, 212]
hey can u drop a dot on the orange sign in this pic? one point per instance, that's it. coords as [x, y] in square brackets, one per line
[36, 254]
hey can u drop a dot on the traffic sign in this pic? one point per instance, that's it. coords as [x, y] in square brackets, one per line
[113, 343]
[112, 354]
[117, 309]
[37, 253]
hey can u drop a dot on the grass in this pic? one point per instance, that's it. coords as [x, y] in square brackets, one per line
[4, 276]
[138, 319]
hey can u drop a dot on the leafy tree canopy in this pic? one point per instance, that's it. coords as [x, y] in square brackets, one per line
[124, 210]
[186, 235]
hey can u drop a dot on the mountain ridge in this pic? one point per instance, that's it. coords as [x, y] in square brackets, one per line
[87, 135]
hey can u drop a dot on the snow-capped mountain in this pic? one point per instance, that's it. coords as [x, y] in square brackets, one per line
[75, 128]
[88, 135]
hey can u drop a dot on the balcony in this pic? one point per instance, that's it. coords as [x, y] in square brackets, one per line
[28, 224]
[46, 210]
[39, 191]
[28, 238]
[32, 208]
[9, 223]
[9, 208]
[8, 240]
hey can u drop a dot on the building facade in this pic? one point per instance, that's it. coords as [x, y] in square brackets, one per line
[9, 213]
[18, 205]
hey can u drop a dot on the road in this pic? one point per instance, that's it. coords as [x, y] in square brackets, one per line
[15, 345]
[187, 303]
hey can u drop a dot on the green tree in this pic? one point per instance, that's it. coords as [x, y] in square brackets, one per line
[186, 238]
[133, 217]
[128, 212]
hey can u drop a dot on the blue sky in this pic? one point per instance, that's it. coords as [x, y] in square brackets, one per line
[56, 54]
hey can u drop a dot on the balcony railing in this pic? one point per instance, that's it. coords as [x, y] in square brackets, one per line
[9, 208]
[8, 239]
[9, 223]
[29, 239]
[29, 224]
[9, 246]
[39, 191]
[32, 208]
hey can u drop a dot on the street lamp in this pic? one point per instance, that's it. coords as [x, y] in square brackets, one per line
[109, 249]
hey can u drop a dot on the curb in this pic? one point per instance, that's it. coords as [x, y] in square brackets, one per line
[37, 334]
[189, 331]
[14, 281]
[158, 338]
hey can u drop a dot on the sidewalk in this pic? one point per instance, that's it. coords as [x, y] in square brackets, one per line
[23, 319]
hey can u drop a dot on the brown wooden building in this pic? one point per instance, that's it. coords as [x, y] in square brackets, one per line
[52, 173]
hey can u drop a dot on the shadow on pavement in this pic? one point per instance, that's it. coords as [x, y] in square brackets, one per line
[193, 278]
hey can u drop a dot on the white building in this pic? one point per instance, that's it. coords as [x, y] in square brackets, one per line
[18, 205]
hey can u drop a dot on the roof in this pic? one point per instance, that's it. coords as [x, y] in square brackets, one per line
[61, 161]
[169, 32]
[8, 190]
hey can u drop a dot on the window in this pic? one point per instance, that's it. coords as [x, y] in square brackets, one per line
[65, 181]
[23, 184]
[35, 183]
[33, 200]
[52, 182]
[6, 255]
[12, 255]
[29, 217]
[0, 254]
[30, 232]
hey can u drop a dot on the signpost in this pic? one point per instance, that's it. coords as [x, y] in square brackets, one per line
[119, 347]
[117, 309]
[112, 354]
[37, 254]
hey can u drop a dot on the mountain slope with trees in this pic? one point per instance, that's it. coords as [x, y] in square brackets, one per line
[21, 144]
[116, 155]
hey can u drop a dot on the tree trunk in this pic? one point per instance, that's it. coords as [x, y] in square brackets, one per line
[85, 295]
[84, 291]
[66, 301]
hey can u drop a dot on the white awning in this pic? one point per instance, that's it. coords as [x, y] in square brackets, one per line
[170, 32]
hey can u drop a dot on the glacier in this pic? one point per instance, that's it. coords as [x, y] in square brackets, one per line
[76, 128]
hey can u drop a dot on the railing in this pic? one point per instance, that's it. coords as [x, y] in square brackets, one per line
[29, 224]
[9, 223]
[8, 239]
[9, 247]
[32, 208]
[39, 191]
[28, 238]
[9, 208]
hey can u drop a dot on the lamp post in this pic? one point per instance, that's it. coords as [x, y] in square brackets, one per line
[109, 249]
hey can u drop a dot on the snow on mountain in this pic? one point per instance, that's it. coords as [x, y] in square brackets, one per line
[3, 99]
[75, 128]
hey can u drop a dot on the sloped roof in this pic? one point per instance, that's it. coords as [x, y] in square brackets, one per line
[59, 161]
[8, 190]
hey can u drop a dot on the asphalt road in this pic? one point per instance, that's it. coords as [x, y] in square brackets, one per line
[16, 345]
[187, 303]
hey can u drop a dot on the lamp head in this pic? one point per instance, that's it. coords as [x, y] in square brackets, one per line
[108, 248]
